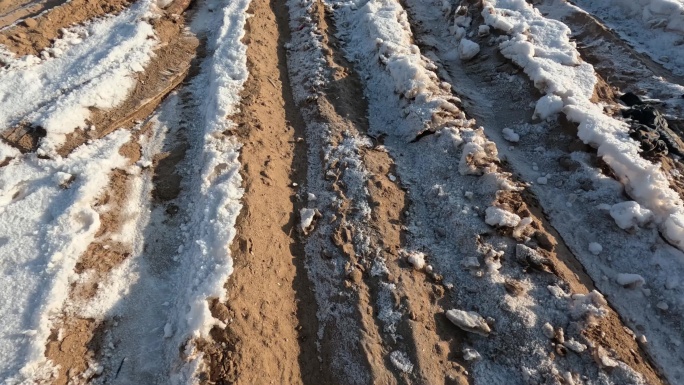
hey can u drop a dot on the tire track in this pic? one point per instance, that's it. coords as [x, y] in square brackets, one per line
[269, 312]
[445, 195]
[397, 337]
[480, 81]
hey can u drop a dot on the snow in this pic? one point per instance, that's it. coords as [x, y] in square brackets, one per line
[48, 211]
[44, 229]
[468, 49]
[495, 216]
[7, 151]
[630, 214]
[469, 321]
[552, 62]
[94, 69]
[630, 280]
[510, 135]
[437, 170]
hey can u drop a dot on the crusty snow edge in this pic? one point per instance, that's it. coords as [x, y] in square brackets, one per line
[554, 65]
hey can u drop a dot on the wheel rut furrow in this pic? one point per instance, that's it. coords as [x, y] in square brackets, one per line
[473, 81]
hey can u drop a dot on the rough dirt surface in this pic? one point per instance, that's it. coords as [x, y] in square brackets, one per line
[362, 222]
[32, 35]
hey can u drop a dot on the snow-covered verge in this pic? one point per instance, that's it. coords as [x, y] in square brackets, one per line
[47, 220]
[91, 66]
[543, 49]
[452, 177]
[655, 27]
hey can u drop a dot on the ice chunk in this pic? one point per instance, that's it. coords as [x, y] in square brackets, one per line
[575, 346]
[469, 321]
[471, 354]
[307, 218]
[467, 49]
[495, 216]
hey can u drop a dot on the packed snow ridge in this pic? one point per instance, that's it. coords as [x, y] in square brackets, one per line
[542, 47]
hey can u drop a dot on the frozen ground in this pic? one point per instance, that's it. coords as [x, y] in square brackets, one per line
[323, 191]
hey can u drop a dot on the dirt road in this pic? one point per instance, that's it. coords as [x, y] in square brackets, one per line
[339, 192]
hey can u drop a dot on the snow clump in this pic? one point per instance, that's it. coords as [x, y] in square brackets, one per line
[595, 248]
[401, 361]
[590, 304]
[630, 214]
[417, 260]
[548, 106]
[498, 217]
[510, 135]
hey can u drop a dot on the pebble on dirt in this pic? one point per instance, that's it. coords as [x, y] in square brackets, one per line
[469, 321]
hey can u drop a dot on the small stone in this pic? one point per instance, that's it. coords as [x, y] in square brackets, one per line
[545, 240]
[356, 276]
[30, 23]
[513, 287]
[469, 321]
[662, 305]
